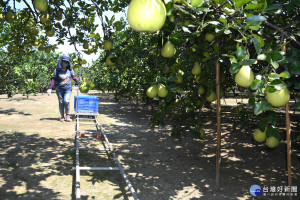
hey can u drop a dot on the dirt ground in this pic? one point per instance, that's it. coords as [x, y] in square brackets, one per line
[37, 155]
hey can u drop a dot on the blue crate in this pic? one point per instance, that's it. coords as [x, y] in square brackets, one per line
[86, 104]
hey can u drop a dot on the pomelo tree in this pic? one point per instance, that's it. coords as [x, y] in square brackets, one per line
[234, 33]
[245, 37]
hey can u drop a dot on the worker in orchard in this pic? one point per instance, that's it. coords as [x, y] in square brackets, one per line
[62, 76]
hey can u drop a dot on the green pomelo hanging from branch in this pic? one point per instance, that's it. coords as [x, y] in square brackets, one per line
[244, 77]
[41, 5]
[146, 15]
[152, 91]
[196, 69]
[162, 91]
[168, 50]
[278, 98]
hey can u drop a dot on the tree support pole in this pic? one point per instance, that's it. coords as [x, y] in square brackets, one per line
[218, 152]
[288, 141]
[288, 145]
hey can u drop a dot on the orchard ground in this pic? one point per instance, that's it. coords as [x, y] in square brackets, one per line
[37, 154]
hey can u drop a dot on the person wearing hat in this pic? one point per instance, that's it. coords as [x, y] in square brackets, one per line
[62, 78]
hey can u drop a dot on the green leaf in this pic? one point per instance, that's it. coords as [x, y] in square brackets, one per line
[206, 54]
[240, 3]
[241, 53]
[185, 29]
[169, 8]
[281, 46]
[251, 101]
[273, 7]
[298, 138]
[261, 107]
[273, 77]
[175, 89]
[227, 31]
[278, 84]
[119, 25]
[249, 62]
[112, 19]
[272, 118]
[160, 79]
[263, 124]
[270, 89]
[223, 20]
[296, 70]
[172, 78]
[214, 23]
[274, 64]
[255, 28]
[254, 6]
[234, 68]
[255, 20]
[285, 74]
[177, 37]
[297, 105]
[203, 9]
[256, 45]
[261, 57]
[256, 84]
[229, 11]
[216, 48]
[275, 55]
[296, 2]
[272, 132]
[261, 41]
[226, 55]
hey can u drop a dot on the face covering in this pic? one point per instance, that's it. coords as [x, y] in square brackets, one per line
[65, 64]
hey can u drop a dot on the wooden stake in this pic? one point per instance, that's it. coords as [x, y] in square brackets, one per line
[218, 153]
[288, 141]
[288, 145]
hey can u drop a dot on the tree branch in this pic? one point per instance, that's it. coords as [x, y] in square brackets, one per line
[7, 72]
[288, 26]
[291, 22]
[282, 32]
[32, 12]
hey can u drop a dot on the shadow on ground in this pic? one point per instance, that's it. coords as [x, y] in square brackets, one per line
[12, 111]
[166, 168]
[28, 162]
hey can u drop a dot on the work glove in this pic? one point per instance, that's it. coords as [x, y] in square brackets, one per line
[49, 91]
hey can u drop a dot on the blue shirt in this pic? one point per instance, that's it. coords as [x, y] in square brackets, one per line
[63, 79]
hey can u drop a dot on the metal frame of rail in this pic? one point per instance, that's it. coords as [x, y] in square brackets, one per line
[108, 150]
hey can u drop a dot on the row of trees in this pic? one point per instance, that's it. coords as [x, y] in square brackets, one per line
[233, 33]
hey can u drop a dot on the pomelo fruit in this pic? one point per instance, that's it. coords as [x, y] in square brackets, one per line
[162, 91]
[278, 98]
[108, 61]
[244, 77]
[209, 37]
[212, 97]
[201, 90]
[146, 15]
[168, 50]
[196, 69]
[272, 142]
[41, 5]
[152, 91]
[108, 45]
[259, 136]
[10, 16]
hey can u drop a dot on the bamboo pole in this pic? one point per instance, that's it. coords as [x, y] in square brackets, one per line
[288, 141]
[218, 152]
